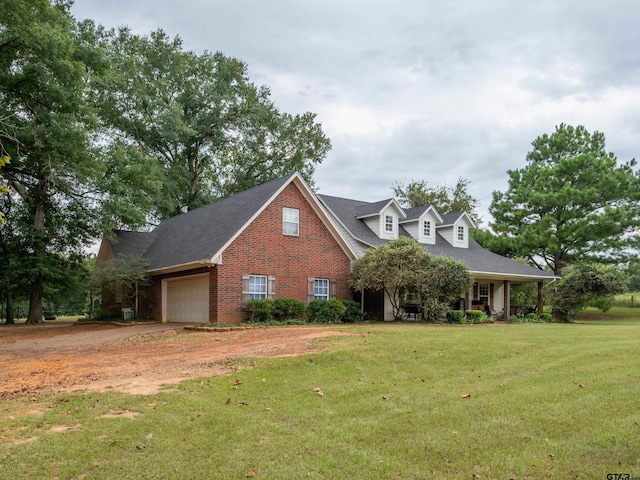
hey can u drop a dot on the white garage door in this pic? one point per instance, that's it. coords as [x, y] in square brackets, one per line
[188, 299]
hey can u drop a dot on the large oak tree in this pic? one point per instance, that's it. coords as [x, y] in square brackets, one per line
[199, 119]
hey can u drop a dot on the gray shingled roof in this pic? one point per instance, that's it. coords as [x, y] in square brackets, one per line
[369, 209]
[199, 234]
[477, 258]
[414, 213]
[450, 218]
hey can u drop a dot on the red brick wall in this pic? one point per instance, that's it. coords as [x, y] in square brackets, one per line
[262, 249]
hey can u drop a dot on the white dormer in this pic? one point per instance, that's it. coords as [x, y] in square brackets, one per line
[421, 224]
[455, 229]
[383, 218]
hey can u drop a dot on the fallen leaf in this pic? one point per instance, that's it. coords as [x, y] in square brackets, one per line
[237, 382]
[503, 384]
[228, 401]
[384, 398]
[319, 392]
[581, 385]
[251, 473]
[466, 395]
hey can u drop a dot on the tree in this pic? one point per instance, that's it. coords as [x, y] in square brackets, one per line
[209, 130]
[444, 199]
[3, 189]
[125, 273]
[584, 283]
[403, 266]
[45, 123]
[572, 200]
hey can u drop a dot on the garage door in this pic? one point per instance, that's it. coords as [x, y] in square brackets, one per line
[188, 299]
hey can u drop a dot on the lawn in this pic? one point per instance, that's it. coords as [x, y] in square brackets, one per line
[391, 401]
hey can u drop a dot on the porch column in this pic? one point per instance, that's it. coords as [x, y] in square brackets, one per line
[540, 306]
[507, 303]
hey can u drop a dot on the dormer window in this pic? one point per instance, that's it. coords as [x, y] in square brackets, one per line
[460, 233]
[388, 223]
[426, 228]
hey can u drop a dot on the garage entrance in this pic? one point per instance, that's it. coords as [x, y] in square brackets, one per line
[187, 299]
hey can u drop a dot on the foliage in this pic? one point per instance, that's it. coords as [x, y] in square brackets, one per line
[198, 120]
[523, 294]
[603, 304]
[126, 273]
[474, 316]
[287, 309]
[572, 200]
[402, 266]
[322, 311]
[45, 127]
[352, 313]
[260, 311]
[393, 267]
[444, 199]
[583, 283]
[456, 316]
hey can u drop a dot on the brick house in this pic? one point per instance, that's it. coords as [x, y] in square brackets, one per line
[280, 239]
[272, 240]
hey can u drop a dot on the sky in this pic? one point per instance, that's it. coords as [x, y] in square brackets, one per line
[421, 89]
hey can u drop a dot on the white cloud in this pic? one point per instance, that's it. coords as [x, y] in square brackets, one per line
[435, 90]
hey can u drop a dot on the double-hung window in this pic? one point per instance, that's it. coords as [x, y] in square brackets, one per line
[257, 287]
[290, 221]
[321, 289]
[388, 223]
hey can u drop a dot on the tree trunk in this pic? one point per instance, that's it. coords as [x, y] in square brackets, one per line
[39, 251]
[35, 302]
[9, 298]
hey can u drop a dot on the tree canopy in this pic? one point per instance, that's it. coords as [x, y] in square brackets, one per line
[209, 131]
[404, 266]
[444, 199]
[571, 201]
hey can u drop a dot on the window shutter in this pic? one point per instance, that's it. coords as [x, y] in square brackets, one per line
[475, 291]
[333, 283]
[245, 291]
[310, 290]
[271, 286]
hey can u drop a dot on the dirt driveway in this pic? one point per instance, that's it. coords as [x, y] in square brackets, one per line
[37, 359]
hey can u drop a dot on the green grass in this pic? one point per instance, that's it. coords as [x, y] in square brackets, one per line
[398, 401]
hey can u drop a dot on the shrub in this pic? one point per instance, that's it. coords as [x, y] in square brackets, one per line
[474, 316]
[531, 318]
[322, 311]
[515, 319]
[288, 309]
[456, 316]
[261, 310]
[352, 312]
[545, 317]
[603, 304]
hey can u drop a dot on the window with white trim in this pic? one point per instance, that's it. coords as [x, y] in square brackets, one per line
[460, 233]
[257, 287]
[426, 228]
[321, 289]
[290, 221]
[388, 223]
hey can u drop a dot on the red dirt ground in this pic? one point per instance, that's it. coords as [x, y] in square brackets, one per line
[47, 358]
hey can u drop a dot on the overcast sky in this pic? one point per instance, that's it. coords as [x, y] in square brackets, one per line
[422, 89]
